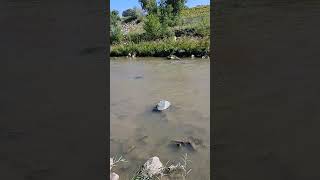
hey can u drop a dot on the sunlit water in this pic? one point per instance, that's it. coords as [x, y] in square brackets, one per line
[136, 86]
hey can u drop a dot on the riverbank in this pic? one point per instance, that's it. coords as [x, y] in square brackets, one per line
[182, 47]
[190, 38]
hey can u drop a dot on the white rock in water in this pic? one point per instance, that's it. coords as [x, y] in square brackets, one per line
[114, 176]
[163, 104]
[153, 167]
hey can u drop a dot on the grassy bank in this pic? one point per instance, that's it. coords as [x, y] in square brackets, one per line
[190, 37]
[182, 47]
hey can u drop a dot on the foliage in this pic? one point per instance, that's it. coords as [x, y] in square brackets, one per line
[203, 27]
[138, 13]
[161, 48]
[200, 28]
[150, 6]
[137, 37]
[129, 12]
[177, 6]
[132, 14]
[116, 35]
[169, 11]
[114, 17]
[115, 29]
[165, 14]
[152, 26]
[196, 22]
[196, 11]
[153, 37]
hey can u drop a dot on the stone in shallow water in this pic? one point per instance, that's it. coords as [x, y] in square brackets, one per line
[190, 143]
[162, 105]
[153, 167]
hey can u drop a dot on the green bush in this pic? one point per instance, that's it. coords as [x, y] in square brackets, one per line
[115, 34]
[129, 19]
[152, 26]
[149, 6]
[114, 17]
[137, 37]
[203, 27]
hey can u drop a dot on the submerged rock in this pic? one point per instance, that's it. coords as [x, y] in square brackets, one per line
[134, 54]
[205, 57]
[173, 57]
[190, 143]
[143, 139]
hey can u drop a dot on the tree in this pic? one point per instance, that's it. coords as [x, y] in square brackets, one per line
[152, 26]
[129, 13]
[150, 6]
[132, 14]
[165, 13]
[114, 17]
[177, 6]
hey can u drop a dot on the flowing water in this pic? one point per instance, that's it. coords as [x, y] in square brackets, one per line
[137, 133]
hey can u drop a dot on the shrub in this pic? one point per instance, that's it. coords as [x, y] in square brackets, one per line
[115, 34]
[177, 5]
[114, 17]
[152, 26]
[129, 19]
[137, 37]
[149, 6]
[203, 27]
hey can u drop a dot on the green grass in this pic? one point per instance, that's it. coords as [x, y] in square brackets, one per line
[182, 47]
[197, 18]
[196, 12]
